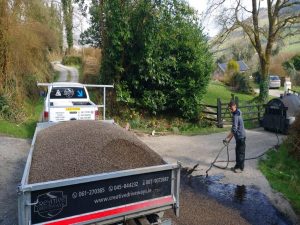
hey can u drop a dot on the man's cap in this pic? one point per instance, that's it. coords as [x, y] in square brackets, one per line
[231, 103]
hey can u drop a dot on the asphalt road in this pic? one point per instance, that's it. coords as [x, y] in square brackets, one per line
[203, 149]
[13, 154]
[64, 71]
[273, 92]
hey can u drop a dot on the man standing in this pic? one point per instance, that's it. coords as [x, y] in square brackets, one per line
[238, 132]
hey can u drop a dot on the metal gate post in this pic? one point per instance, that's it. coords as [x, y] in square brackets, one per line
[177, 185]
[258, 112]
[104, 106]
[219, 114]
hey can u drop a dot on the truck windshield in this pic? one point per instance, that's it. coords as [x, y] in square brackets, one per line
[67, 92]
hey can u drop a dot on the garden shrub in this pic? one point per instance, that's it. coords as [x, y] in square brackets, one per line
[290, 67]
[296, 62]
[29, 82]
[241, 83]
[231, 69]
[256, 77]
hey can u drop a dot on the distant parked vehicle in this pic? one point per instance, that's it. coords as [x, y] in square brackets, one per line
[274, 81]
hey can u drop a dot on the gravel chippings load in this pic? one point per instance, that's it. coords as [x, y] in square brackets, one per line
[80, 148]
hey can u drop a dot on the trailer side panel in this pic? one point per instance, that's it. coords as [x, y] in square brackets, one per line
[102, 199]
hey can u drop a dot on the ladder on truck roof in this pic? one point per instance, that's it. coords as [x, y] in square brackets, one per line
[88, 86]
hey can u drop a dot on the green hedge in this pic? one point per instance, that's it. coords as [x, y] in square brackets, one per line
[156, 53]
[241, 83]
[72, 60]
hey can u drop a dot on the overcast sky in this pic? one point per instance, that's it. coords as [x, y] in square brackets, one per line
[210, 27]
[200, 5]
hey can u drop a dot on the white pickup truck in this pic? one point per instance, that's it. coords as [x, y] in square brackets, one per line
[70, 101]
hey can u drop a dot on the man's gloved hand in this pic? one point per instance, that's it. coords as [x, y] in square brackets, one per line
[225, 142]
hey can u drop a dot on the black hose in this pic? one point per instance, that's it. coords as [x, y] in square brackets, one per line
[226, 144]
[215, 160]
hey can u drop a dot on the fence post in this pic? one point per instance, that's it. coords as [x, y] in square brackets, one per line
[219, 114]
[232, 96]
[236, 100]
[258, 113]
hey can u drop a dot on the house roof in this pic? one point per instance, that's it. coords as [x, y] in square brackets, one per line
[242, 65]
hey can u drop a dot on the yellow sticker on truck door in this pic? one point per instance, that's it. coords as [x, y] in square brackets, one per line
[73, 109]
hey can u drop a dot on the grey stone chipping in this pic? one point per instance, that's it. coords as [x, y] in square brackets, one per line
[80, 148]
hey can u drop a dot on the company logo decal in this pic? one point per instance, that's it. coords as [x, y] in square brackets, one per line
[69, 92]
[50, 204]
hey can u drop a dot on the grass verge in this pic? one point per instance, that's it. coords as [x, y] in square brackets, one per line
[25, 129]
[69, 77]
[170, 125]
[194, 130]
[296, 88]
[283, 173]
[79, 67]
[219, 90]
[56, 76]
[33, 110]
[251, 124]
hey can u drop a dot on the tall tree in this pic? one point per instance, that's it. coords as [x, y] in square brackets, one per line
[156, 54]
[282, 15]
[94, 34]
[27, 34]
[68, 19]
[3, 42]
[56, 22]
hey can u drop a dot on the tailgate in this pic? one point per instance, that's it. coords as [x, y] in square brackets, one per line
[60, 113]
[105, 198]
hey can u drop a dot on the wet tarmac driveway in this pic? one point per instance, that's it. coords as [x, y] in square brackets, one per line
[248, 200]
[257, 202]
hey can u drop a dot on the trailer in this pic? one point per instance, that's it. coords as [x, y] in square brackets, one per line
[118, 197]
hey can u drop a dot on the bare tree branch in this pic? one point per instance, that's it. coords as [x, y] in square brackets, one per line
[287, 4]
[281, 24]
[288, 20]
[214, 5]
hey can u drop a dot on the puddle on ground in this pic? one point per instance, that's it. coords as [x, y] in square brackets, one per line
[251, 203]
